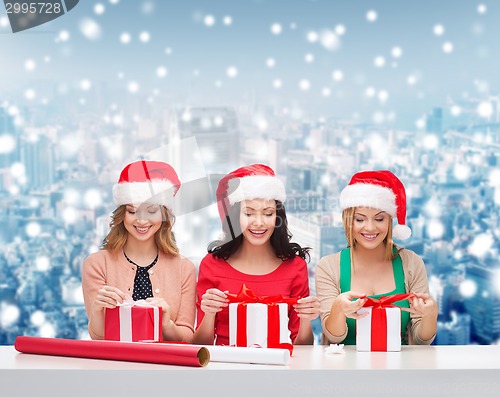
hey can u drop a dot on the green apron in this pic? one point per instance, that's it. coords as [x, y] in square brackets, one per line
[345, 285]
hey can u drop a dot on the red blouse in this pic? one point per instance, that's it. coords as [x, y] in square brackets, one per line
[290, 280]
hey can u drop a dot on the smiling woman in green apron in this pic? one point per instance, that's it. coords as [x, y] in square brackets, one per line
[372, 265]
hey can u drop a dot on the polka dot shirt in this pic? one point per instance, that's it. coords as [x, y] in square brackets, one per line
[142, 283]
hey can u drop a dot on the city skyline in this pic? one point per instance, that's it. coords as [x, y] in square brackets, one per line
[318, 90]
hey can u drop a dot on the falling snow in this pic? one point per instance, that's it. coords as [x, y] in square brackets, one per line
[276, 29]
[438, 30]
[209, 20]
[90, 29]
[447, 47]
[371, 16]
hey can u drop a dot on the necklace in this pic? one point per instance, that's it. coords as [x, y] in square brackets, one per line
[148, 266]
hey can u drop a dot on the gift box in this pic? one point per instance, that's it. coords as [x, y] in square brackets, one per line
[133, 322]
[259, 321]
[380, 330]
[258, 324]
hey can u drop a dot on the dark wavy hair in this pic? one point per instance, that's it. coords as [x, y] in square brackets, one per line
[233, 237]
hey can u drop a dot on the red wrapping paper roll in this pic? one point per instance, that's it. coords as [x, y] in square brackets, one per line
[194, 356]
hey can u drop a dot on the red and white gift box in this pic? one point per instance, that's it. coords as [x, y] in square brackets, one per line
[380, 330]
[133, 322]
[258, 324]
[259, 321]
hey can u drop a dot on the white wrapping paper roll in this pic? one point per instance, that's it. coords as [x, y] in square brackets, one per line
[247, 355]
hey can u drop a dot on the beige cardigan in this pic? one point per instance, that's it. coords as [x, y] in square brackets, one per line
[328, 288]
[172, 278]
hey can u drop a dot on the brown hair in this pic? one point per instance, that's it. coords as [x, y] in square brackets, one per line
[348, 220]
[117, 236]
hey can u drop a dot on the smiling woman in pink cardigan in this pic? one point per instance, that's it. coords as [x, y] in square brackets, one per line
[139, 258]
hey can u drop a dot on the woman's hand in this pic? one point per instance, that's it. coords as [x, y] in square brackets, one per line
[165, 308]
[348, 307]
[108, 297]
[423, 305]
[307, 308]
[213, 300]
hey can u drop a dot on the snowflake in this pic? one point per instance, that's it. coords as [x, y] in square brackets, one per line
[90, 29]
[92, 198]
[485, 109]
[276, 28]
[438, 30]
[304, 85]
[312, 37]
[125, 38]
[232, 72]
[447, 47]
[144, 37]
[396, 52]
[371, 16]
[30, 65]
[435, 229]
[161, 71]
[209, 20]
[99, 8]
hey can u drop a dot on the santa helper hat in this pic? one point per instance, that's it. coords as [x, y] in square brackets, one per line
[143, 181]
[256, 181]
[381, 190]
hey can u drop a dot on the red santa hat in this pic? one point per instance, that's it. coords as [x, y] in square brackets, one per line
[153, 182]
[382, 190]
[256, 181]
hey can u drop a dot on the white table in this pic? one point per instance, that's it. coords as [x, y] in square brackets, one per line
[415, 371]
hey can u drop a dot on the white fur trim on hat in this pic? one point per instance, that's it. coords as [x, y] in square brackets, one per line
[256, 186]
[154, 192]
[368, 195]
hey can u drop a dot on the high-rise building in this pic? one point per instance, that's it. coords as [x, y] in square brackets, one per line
[38, 159]
[7, 157]
[203, 145]
[434, 122]
[216, 133]
[455, 332]
[318, 231]
[278, 155]
[484, 306]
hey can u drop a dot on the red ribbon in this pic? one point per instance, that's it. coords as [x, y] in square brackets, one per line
[246, 296]
[379, 318]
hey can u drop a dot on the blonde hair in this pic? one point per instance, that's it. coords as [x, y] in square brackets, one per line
[348, 221]
[117, 236]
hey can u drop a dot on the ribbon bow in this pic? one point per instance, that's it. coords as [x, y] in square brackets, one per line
[246, 295]
[141, 302]
[386, 301]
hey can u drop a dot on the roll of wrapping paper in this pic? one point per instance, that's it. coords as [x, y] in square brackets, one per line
[244, 355]
[180, 354]
[251, 355]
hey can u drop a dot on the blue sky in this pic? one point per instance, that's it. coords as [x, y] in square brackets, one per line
[361, 75]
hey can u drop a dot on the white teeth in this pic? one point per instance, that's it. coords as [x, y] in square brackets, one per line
[257, 232]
[142, 229]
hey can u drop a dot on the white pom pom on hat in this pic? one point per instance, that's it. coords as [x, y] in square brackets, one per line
[382, 190]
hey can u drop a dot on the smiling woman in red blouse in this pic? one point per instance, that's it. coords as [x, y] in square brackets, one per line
[255, 251]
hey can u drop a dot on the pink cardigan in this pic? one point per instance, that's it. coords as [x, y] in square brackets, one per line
[173, 278]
